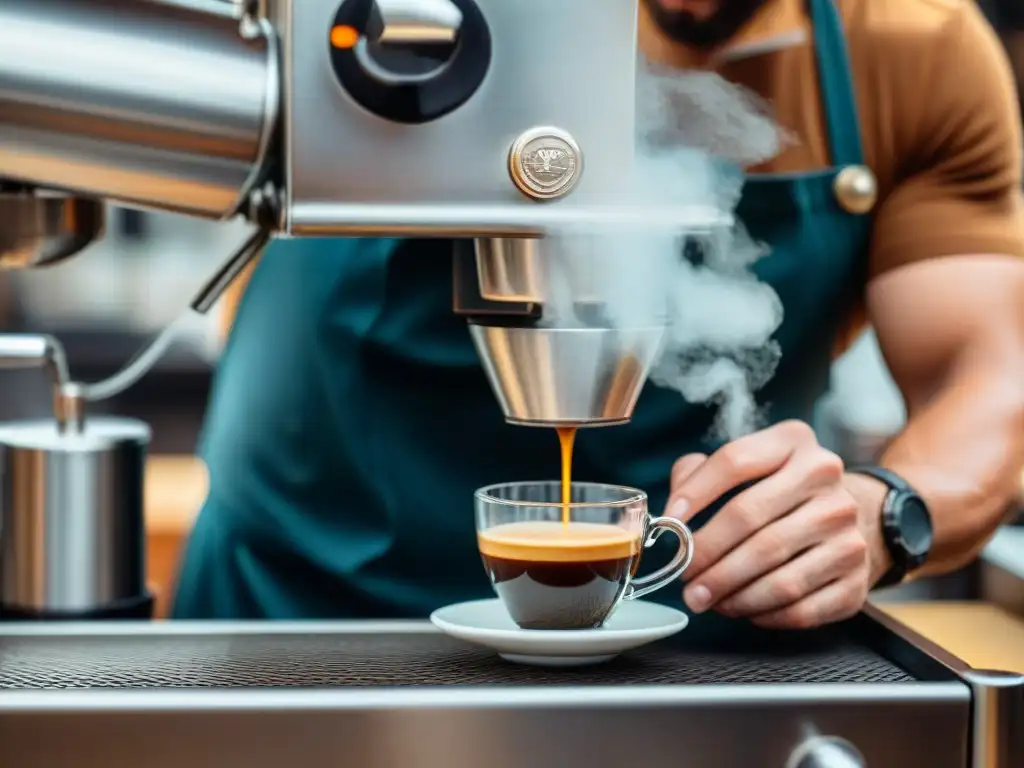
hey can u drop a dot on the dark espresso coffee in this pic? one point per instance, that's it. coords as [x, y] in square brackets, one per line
[555, 575]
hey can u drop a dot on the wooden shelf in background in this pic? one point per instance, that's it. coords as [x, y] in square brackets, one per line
[176, 488]
[985, 636]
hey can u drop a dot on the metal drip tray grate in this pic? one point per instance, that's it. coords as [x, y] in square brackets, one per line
[333, 660]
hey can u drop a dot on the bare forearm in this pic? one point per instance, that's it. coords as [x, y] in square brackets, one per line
[963, 450]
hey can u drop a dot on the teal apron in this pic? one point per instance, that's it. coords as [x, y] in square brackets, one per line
[351, 421]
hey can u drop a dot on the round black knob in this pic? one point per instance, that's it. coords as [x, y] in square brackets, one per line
[826, 752]
[407, 70]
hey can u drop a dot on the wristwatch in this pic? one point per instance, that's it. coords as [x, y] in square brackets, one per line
[906, 525]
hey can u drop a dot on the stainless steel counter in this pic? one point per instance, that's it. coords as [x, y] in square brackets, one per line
[390, 695]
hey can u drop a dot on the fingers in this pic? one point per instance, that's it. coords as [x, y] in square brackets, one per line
[682, 470]
[744, 460]
[806, 476]
[837, 601]
[785, 550]
[815, 569]
[768, 549]
[685, 467]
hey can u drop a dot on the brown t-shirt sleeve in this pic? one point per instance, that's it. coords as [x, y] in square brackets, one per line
[957, 189]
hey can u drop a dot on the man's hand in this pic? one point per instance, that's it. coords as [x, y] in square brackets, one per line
[788, 552]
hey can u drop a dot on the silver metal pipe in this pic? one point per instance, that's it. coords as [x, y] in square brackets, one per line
[204, 300]
[998, 718]
[40, 351]
[488, 220]
[225, 276]
[153, 103]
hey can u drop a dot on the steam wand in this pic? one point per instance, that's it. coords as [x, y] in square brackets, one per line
[207, 296]
[29, 351]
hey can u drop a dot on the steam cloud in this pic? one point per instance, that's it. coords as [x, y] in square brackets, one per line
[695, 134]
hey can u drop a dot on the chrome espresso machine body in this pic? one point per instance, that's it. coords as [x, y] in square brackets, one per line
[455, 118]
[496, 121]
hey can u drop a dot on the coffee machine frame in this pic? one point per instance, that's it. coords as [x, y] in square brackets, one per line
[452, 118]
[508, 129]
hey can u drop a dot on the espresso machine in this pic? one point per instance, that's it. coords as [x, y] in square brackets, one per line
[497, 122]
[486, 120]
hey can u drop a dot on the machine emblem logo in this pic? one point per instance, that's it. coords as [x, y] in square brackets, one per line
[545, 163]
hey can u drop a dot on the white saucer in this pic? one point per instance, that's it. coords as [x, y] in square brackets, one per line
[487, 623]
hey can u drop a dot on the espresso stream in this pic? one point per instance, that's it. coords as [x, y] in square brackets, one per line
[567, 438]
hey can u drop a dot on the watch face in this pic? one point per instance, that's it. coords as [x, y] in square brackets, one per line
[915, 523]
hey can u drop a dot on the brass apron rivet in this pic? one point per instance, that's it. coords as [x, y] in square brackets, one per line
[856, 189]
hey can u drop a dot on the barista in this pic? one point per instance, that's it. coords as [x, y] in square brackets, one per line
[351, 421]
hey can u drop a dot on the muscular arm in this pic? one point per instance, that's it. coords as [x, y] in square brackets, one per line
[952, 332]
[947, 301]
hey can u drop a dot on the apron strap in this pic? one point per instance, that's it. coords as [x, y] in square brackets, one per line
[836, 82]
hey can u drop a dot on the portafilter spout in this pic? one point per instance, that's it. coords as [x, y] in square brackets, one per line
[546, 371]
[583, 377]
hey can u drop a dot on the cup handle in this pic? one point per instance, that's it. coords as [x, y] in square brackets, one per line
[672, 571]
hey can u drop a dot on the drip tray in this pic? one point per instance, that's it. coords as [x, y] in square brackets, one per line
[401, 695]
[421, 659]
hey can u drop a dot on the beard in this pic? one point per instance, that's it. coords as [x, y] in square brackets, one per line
[710, 32]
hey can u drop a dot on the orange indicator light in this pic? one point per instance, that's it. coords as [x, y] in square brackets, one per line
[344, 36]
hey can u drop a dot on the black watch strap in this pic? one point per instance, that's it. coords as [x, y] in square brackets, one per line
[903, 560]
[883, 475]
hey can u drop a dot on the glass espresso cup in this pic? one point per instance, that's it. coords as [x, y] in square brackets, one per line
[558, 566]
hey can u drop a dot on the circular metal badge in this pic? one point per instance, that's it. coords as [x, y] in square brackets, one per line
[545, 163]
[856, 189]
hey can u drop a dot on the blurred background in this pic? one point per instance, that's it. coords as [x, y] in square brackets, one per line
[106, 304]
